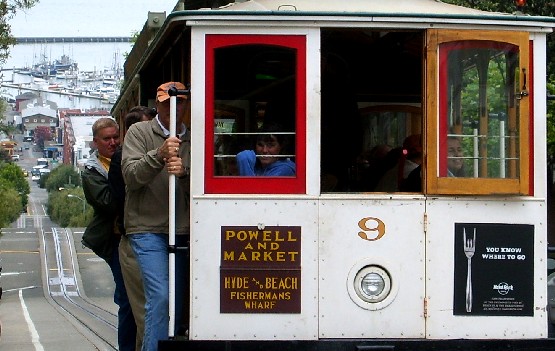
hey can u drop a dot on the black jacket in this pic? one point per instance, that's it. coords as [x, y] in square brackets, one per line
[99, 235]
[117, 187]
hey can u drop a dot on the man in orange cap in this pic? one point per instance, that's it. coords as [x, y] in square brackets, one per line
[149, 156]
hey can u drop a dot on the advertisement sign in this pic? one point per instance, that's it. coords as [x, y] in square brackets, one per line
[494, 269]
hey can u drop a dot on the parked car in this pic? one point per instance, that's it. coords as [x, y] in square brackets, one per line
[15, 157]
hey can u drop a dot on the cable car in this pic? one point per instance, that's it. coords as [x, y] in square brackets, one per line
[416, 215]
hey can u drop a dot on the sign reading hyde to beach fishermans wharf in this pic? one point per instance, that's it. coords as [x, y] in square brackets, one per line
[494, 269]
[260, 270]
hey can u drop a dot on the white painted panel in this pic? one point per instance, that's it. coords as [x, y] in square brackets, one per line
[198, 109]
[343, 252]
[443, 213]
[540, 112]
[208, 216]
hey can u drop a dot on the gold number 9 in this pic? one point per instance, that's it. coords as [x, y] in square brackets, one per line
[379, 228]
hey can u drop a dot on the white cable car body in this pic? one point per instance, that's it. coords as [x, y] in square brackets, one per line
[293, 259]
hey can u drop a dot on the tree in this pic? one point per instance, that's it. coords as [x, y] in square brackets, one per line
[4, 155]
[63, 176]
[8, 8]
[8, 197]
[14, 189]
[42, 134]
[5, 128]
[64, 210]
[68, 211]
[12, 175]
[537, 8]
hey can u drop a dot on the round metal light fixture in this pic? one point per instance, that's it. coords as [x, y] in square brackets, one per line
[372, 284]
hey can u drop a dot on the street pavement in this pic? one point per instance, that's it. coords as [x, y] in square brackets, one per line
[29, 318]
[27, 315]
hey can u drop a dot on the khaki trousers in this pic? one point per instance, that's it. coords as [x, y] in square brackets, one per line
[134, 286]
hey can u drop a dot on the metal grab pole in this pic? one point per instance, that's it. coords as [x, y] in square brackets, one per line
[171, 239]
[172, 92]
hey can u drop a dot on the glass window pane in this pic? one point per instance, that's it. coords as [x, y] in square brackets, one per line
[479, 110]
[254, 111]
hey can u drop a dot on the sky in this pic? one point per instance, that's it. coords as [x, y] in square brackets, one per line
[84, 18]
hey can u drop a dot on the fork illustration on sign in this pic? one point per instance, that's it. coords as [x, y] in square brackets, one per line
[469, 248]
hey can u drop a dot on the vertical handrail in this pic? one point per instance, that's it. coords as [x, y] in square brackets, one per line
[171, 239]
[476, 152]
[502, 155]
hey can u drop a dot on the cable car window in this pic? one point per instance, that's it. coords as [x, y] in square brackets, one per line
[479, 112]
[371, 110]
[482, 133]
[255, 111]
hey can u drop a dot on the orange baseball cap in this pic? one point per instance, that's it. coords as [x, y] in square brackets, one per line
[162, 91]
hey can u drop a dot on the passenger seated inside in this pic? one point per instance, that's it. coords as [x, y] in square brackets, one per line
[376, 162]
[413, 183]
[265, 159]
[455, 164]
[408, 158]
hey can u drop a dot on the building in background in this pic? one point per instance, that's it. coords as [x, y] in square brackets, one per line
[38, 113]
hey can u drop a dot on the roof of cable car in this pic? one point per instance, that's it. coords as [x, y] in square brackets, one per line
[420, 13]
[365, 8]
[349, 6]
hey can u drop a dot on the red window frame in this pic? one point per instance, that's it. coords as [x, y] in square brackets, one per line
[256, 185]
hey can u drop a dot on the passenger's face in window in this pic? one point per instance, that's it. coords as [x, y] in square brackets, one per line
[454, 150]
[268, 146]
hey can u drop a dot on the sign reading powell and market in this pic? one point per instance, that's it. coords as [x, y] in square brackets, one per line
[260, 270]
[494, 269]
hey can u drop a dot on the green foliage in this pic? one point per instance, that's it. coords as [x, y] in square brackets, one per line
[82, 219]
[14, 191]
[495, 88]
[8, 8]
[43, 179]
[64, 210]
[507, 6]
[13, 176]
[4, 128]
[63, 176]
[537, 8]
[134, 37]
[8, 196]
[68, 211]
[4, 155]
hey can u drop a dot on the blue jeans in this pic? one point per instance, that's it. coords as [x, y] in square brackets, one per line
[151, 250]
[127, 329]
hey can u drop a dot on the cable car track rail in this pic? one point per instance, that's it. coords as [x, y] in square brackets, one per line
[94, 322]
